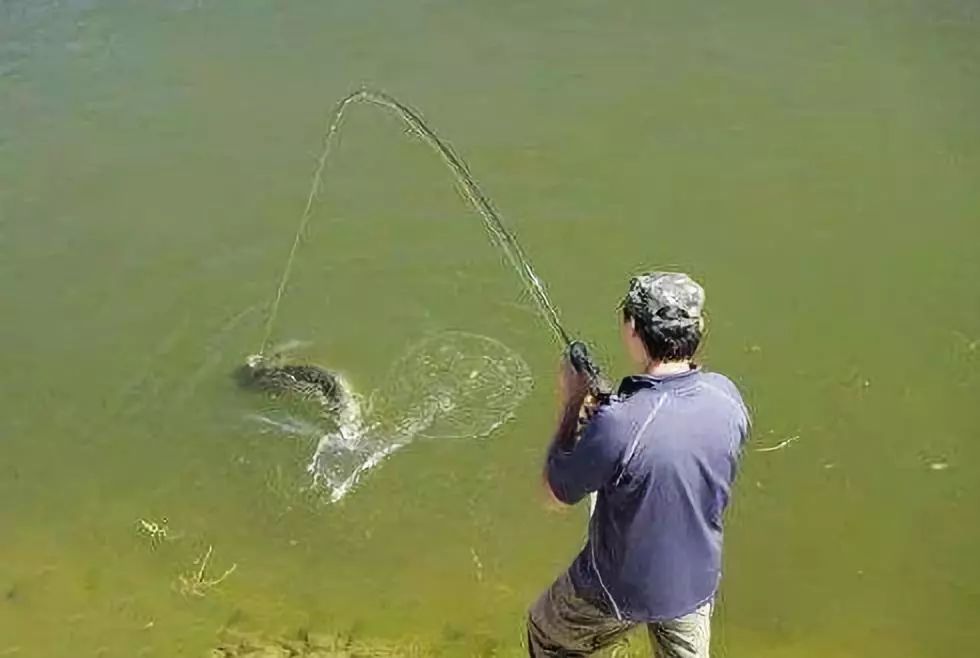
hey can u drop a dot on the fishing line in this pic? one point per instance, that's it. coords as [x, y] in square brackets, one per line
[472, 191]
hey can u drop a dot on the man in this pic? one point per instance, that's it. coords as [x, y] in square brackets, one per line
[661, 456]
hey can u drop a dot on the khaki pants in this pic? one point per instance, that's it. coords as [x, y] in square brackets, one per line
[563, 625]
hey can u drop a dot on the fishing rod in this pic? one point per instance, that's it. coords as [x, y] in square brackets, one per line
[577, 352]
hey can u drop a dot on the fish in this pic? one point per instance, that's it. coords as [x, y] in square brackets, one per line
[328, 389]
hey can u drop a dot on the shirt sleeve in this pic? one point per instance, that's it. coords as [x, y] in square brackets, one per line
[593, 461]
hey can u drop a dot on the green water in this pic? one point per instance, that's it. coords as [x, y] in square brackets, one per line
[816, 165]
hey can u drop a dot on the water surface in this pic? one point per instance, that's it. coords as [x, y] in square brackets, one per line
[816, 165]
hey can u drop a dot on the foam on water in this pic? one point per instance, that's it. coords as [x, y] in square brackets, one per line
[455, 384]
[286, 424]
[449, 385]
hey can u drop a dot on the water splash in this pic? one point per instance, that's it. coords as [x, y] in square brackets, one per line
[449, 385]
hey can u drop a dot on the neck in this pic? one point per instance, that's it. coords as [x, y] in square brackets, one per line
[667, 367]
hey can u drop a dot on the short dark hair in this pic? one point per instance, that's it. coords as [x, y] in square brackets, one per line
[670, 335]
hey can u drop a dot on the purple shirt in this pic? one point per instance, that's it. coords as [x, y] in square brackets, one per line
[662, 456]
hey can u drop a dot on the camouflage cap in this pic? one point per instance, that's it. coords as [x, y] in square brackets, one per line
[665, 299]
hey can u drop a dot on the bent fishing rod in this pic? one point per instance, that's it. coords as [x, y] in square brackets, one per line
[576, 350]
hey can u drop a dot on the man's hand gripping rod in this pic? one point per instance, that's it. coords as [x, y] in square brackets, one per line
[580, 409]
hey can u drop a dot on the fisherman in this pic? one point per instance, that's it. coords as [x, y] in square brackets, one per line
[660, 457]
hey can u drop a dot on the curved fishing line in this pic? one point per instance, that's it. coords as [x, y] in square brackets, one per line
[461, 174]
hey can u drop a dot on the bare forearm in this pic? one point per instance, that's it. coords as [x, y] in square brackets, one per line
[568, 422]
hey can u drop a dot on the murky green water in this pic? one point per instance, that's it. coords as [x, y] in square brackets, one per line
[817, 165]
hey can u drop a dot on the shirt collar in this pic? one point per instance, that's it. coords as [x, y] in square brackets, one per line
[634, 383]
